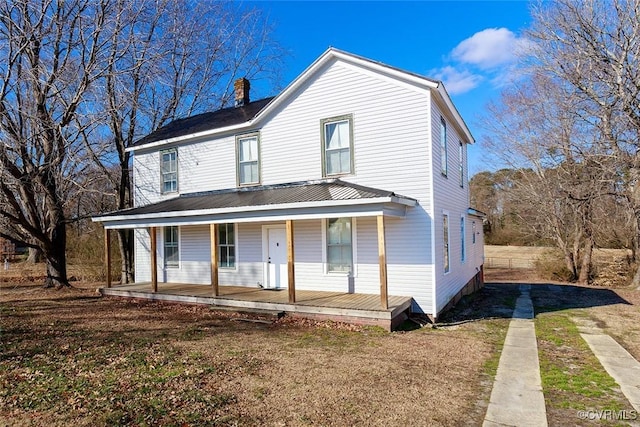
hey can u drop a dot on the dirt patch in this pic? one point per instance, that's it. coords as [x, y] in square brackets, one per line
[71, 357]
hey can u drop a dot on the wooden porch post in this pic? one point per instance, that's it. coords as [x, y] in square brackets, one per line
[213, 231]
[154, 259]
[290, 260]
[382, 255]
[107, 254]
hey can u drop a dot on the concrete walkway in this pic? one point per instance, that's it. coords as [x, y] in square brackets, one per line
[516, 398]
[617, 361]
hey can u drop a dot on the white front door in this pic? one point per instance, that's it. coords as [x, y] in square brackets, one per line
[277, 276]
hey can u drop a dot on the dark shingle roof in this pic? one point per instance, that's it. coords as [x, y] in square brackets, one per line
[205, 121]
[297, 192]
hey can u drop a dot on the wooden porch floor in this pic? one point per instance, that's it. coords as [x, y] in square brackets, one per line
[339, 305]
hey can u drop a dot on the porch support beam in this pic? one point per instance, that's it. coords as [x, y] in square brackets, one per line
[382, 259]
[107, 255]
[154, 259]
[213, 231]
[290, 260]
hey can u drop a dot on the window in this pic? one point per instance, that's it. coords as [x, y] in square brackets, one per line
[337, 146]
[461, 165]
[248, 155]
[171, 249]
[443, 146]
[169, 170]
[445, 224]
[226, 246]
[473, 232]
[463, 250]
[339, 247]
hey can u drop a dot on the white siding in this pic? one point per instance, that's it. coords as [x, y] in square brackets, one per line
[450, 197]
[393, 127]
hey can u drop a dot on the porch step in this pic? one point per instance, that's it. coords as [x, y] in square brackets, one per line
[272, 314]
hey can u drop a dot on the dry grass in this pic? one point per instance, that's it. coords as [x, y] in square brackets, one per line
[70, 357]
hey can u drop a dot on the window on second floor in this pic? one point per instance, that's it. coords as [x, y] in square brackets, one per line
[169, 170]
[461, 163]
[337, 145]
[443, 146]
[248, 157]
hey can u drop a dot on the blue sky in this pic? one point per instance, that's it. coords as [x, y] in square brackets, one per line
[469, 45]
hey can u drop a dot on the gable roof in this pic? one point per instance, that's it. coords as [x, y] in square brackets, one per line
[205, 121]
[227, 119]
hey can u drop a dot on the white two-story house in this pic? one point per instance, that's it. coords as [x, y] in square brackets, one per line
[353, 179]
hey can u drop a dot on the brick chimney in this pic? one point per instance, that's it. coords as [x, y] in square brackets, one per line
[241, 87]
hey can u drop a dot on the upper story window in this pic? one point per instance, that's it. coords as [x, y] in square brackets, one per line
[171, 247]
[169, 170]
[461, 165]
[248, 157]
[339, 245]
[443, 146]
[337, 145]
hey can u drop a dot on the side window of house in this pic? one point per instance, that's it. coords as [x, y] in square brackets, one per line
[339, 246]
[337, 145]
[248, 157]
[461, 163]
[227, 246]
[473, 232]
[445, 240]
[169, 170]
[443, 146]
[171, 247]
[463, 250]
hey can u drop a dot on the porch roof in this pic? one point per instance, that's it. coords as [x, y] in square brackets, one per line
[298, 200]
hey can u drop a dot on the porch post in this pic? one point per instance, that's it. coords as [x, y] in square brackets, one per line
[213, 231]
[382, 256]
[290, 260]
[107, 254]
[154, 259]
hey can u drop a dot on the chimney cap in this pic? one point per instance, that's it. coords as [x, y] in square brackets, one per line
[241, 88]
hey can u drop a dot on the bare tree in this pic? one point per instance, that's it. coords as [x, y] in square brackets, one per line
[537, 128]
[81, 80]
[592, 49]
[50, 60]
[167, 60]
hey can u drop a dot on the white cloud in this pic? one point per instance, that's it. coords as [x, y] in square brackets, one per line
[489, 48]
[457, 81]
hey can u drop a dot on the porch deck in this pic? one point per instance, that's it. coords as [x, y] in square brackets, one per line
[353, 308]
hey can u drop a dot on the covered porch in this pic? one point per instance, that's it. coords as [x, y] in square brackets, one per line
[338, 306]
[289, 206]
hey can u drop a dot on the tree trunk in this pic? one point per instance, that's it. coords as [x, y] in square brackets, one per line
[55, 258]
[571, 264]
[35, 256]
[125, 243]
[586, 267]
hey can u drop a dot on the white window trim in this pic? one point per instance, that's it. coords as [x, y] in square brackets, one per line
[446, 213]
[247, 136]
[473, 232]
[177, 190]
[461, 171]
[354, 249]
[463, 239]
[165, 267]
[323, 123]
[444, 154]
[235, 235]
